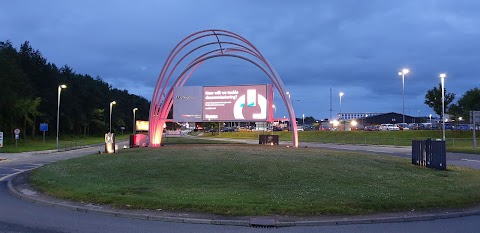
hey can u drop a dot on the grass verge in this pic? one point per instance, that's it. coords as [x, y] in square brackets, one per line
[257, 180]
[65, 142]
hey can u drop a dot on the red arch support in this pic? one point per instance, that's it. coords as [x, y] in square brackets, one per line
[220, 43]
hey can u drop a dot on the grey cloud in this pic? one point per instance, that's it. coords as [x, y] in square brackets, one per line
[349, 45]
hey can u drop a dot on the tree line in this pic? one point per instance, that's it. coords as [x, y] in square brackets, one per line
[29, 92]
[469, 101]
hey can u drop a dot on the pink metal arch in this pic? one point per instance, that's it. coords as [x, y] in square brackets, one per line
[160, 107]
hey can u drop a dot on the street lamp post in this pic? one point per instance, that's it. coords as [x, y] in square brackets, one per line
[60, 87]
[134, 128]
[275, 110]
[111, 105]
[403, 73]
[341, 94]
[442, 79]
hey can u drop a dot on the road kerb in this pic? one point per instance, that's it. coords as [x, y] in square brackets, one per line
[342, 221]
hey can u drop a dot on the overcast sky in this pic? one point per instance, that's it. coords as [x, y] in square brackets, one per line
[357, 47]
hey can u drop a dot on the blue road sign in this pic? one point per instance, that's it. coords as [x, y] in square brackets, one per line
[43, 127]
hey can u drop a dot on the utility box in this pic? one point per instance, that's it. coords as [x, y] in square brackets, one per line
[109, 143]
[138, 140]
[429, 153]
[268, 139]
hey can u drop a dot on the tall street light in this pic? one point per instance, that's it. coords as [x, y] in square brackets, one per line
[111, 105]
[275, 110]
[134, 128]
[442, 79]
[341, 94]
[60, 87]
[403, 73]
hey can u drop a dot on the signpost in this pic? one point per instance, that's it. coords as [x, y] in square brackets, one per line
[17, 136]
[474, 118]
[43, 128]
[1, 139]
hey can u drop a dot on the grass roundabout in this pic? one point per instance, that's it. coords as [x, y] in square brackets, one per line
[235, 179]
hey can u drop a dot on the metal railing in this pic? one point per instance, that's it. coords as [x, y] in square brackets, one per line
[392, 141]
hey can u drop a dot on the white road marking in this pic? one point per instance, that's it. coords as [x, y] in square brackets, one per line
[471, 160]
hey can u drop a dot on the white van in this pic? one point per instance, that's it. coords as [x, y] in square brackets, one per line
[388, 127]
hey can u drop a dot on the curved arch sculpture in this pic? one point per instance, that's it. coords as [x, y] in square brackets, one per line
[219, 43]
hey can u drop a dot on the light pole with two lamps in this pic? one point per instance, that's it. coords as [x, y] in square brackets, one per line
[111, 105]
[403, 73]
[60, 87]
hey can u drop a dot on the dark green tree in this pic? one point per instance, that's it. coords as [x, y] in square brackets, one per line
[433, 99]
[26, 76]
[27, 110]
[470, 101]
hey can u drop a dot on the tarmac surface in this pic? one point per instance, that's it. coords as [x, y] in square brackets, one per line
[15, 165]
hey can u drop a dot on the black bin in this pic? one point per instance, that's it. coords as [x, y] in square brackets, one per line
[429, 153]
[268, 139]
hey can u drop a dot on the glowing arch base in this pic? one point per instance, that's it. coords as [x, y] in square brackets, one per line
[219, 43]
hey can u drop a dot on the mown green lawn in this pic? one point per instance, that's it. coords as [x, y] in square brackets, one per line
[457, 141]
[257, 180]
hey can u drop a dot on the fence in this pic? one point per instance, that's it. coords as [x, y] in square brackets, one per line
[450, 142]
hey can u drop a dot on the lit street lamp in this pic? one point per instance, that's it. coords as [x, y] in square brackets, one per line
[341, 94]
[275, 110]
[111, 105]
[403, 73]
[353, 124]
[134, 128]
[442, 79]
[60, 87]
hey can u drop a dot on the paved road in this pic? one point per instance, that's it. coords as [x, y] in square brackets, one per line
[20, 216]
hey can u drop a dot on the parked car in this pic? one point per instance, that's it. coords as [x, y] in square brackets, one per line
[229, 129]
[389, 127]
[425, 126]
[413, 126]
[464, 127]
[403, 126]
[372, 128]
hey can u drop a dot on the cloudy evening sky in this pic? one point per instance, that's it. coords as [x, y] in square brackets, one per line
[357, 47]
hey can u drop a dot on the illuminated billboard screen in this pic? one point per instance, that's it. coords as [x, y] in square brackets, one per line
[235, 103]
[141, 125]
[187, 104]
